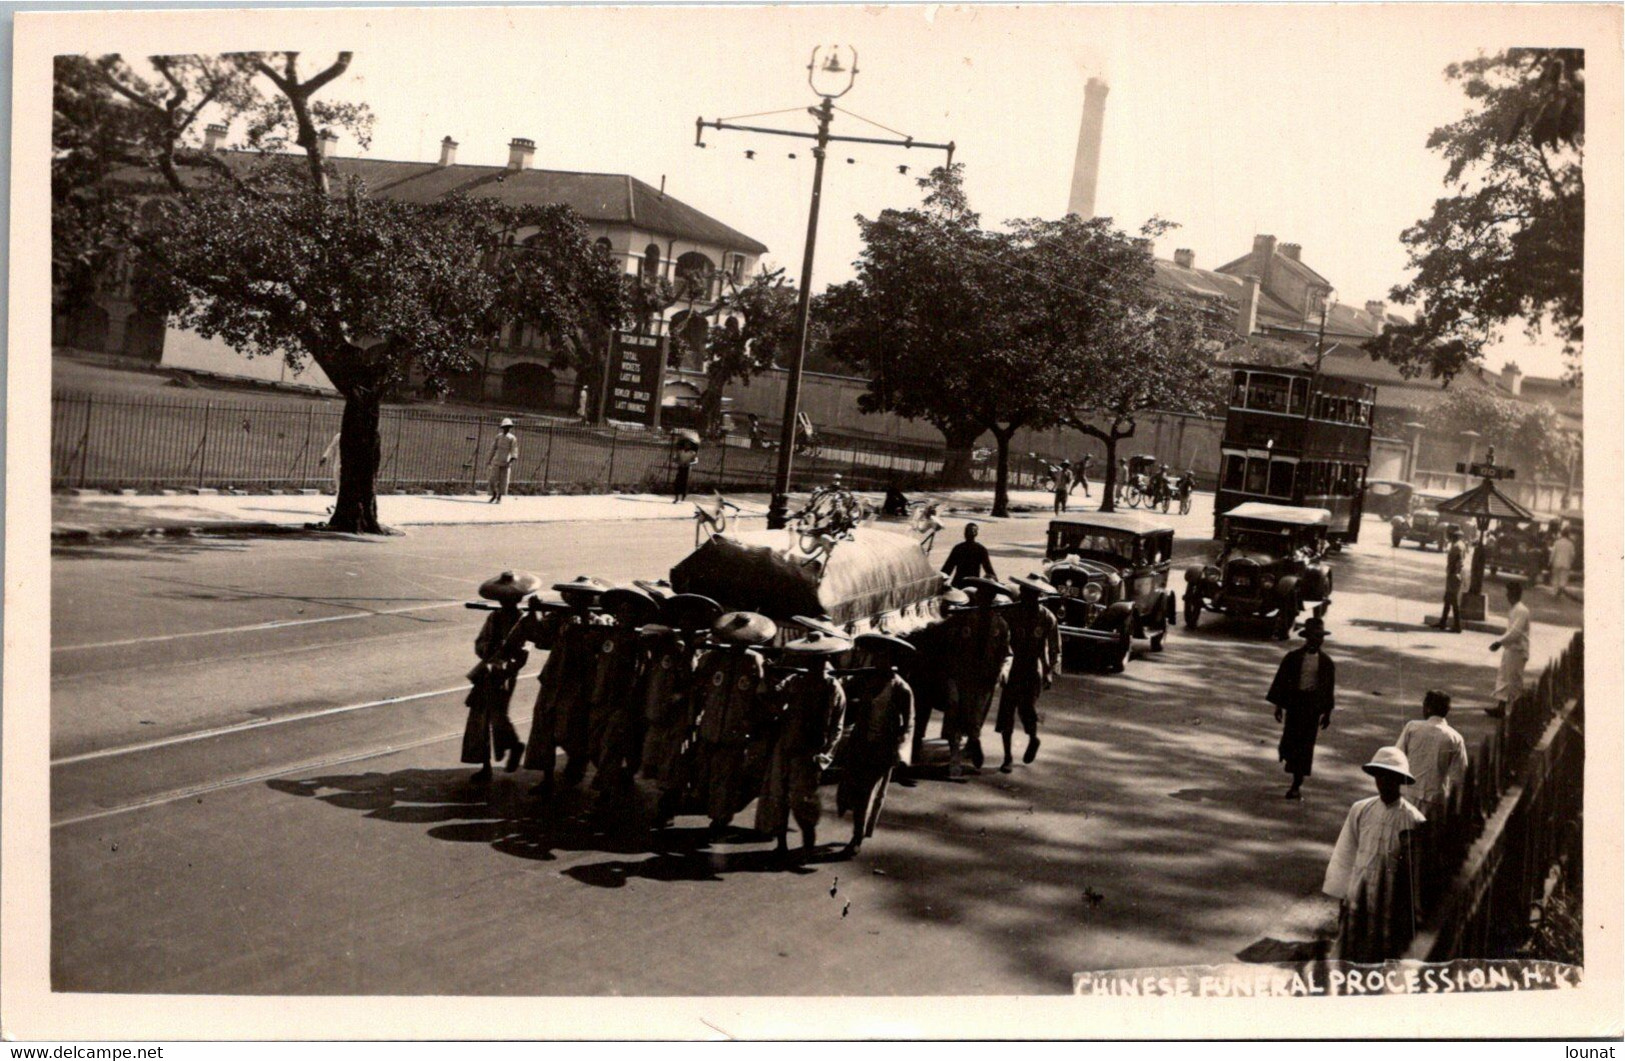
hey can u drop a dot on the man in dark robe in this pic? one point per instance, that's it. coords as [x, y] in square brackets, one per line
[1303, 691]
[1035, 652]
[879, 715]
[732, 729]
[807, 707]
[977, 644]
[501, 648]
[572, 637]
[668, 698]
[614, 725]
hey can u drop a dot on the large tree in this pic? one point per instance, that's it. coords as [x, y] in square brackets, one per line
[950, 325]
[748, 331]
[1507, 245]
[1527, 436]
[282, 259]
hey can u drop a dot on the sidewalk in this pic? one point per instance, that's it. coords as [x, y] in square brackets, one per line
[90, 517]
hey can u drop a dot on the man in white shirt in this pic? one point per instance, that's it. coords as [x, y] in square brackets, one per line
[1437, 754]
[504, 452]
[1376, 834]
[332, 454]
[1562, 559]
[1514, 649]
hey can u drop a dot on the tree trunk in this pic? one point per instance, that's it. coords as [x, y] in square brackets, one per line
[711, 408]
[360, 452]
[1108, 479]
[1001, 481]
[956, 464]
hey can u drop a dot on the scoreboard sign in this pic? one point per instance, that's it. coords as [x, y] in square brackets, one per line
[1486, 471]
[637, 370]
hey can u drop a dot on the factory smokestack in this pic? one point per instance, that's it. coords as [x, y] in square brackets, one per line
[1086, 168]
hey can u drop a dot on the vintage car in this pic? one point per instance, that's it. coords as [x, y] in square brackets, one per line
[1519, 548]
[1269, 568]
[1386, 498]
[1112, 571]
[1422, 524]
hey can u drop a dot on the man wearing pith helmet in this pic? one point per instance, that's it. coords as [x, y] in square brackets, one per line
[1376, 839]
[504, 453]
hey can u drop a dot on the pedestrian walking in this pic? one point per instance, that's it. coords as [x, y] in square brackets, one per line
[1035, 652]
[1062, 476]
[687, 457]
[1376, 836]
[977, 644]
[1562, 562]
[501, 649]
[732, 732]
[1514, 649]
[926, 673]
[1303, 693]
[1455, 557]
[879, 718]
[499, 469]
[1081, 473]
[806, 708]
[968, 559]
[559, 721]
[1437, 755]
[667, 696]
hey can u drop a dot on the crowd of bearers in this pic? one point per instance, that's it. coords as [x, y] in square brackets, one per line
[643, 681]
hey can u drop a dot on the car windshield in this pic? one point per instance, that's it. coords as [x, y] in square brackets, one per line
[1097, 541]
[1275, 543]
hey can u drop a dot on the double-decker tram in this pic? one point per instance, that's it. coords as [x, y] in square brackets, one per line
[1294, 436]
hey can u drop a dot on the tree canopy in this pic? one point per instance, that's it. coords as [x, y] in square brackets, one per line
[282, 259]
[1527, 436]
[1508, 243]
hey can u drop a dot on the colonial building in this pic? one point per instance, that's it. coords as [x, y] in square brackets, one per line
[647, 230]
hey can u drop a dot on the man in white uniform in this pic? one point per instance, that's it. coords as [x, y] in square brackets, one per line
[1376, 834]
[504, 452]
[1514, 649]
[1562, 563]
[1437, 754]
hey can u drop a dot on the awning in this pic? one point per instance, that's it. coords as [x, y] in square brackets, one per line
[1484, 501]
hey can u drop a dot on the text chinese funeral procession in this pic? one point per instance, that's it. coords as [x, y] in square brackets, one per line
[485, 569]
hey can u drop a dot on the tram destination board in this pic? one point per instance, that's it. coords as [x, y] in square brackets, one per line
[637, 363]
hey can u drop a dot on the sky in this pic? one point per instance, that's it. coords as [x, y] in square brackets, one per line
[1307, 123]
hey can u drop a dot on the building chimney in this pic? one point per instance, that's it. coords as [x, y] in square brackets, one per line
[1086, 166]
[1185, 258]
[1263, 258]
[448, 152]
[1292, 250]
[520, 152]
[214, 137]
[1379, 315]
[1247, 313]
[329, 140]
[1512, 378]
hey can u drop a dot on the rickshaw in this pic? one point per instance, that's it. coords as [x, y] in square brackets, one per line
[1141, 487]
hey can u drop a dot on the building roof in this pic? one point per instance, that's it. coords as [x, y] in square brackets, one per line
[606, 198]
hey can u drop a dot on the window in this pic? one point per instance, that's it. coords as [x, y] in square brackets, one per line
[1258, 470]
[1281, 474]
[694, 272]
[1238, 391]
[1235, 471]
[603, 244]
[1300, 397]
[651, 261]
[1268, 393]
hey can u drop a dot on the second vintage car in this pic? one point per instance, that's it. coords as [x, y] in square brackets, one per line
[1112, 571]
[1270, 567]
[1422, 524]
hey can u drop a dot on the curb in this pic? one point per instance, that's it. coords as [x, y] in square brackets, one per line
[70, 534]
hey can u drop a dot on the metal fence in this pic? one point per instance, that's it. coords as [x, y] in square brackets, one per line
[1473, 874]
[114, 443]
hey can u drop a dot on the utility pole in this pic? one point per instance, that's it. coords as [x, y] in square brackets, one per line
[777, 512]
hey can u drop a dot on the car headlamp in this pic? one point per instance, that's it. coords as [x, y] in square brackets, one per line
[1091, 593]
[1211, 573]
[1268, 582]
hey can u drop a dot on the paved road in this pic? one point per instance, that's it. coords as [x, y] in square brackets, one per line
[254, 790]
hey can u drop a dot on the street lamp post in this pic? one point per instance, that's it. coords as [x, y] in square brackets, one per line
[829, 69]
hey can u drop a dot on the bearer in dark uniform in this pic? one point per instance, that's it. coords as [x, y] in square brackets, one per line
[879, 715]
[501, 648]
[808, 706]
[1035, 652]
[732, 727]
[977, 643]
[614, 725]
[927, 675]
[560, 718]
[667, 695]
[1303, 691]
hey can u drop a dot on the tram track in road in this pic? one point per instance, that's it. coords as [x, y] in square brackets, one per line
[119, 780]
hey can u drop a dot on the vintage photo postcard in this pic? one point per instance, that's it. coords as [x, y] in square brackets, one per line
[594, 521]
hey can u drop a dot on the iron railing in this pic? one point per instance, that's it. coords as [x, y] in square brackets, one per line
[1469, 879]
[119, 443]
